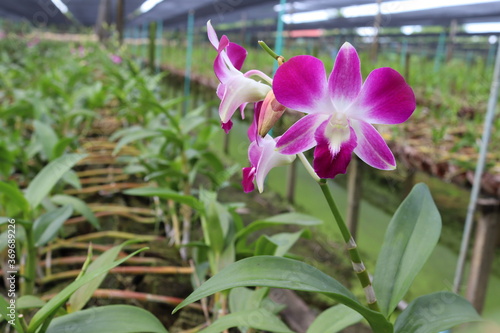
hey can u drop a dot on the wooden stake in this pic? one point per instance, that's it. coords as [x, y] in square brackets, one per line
[487, 230]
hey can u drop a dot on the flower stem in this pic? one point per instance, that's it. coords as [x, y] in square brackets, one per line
[273, 54]
[352, 248]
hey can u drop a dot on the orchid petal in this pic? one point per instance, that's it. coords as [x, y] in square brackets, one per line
[255, 153]
[345, 80]
[252, 130]
[372, 148]
[248, 178]
[269, 159]
[300, 84]
[227, 126]
[236, 54]
[212, 35]
[300, 136]
[239, 90]
[329, 162]
[385, 98]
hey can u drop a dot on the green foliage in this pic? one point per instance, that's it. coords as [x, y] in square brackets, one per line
[410, 238]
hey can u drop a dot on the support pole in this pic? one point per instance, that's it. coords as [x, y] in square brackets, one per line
[152, 46]
[439, 51]
[120, 18]
[476, 186]
[376, 25]
[291, 181]
[484, 252]
[189, 58]
[278, 45]
[159, 45]
[354, 194]
[451, 39]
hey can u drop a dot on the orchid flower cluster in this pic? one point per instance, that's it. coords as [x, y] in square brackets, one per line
[340, 111]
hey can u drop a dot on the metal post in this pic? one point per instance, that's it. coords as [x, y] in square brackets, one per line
[278, 45]
[152, 46]
[476, 186]
[159, 45]
[189, 57]
[120, 10]
[439, 51]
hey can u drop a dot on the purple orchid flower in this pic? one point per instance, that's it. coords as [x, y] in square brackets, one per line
[263, 157]
[262, 154]
[341, 111]
[235, 89]
[116, 58]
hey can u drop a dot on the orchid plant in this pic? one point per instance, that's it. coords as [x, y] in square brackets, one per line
[340, 113]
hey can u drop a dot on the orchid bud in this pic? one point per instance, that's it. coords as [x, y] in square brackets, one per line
[270, 112]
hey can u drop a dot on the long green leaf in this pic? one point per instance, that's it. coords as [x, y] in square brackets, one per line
[410, 238]
[287, 218]
[134, 136]
[435, 313]
[7, 315]
[78, 300]
[45, 180]
[45, 227]
[166, 193]
[260, 319]
[15, 195]
[277, 272]
[48, 309]
[334, 319]
[109, 319]
[78, 205]
[46, 135]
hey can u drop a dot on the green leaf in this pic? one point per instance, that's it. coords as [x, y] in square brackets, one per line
[134, 136]
[260, 319]
[435, 313]
[46, 135]
[265, 246]
[5, 312]
[166, 193]
[109, 319]
[71, 178]
[15, 195]
[277, 272]
[286, 240]
[51, 307]
[61, 145]
[334, 319]
[45, 180]
[287, 218]
[45, 227]
[29, 302]
[410, 238]
[78, 205]
[78, 300]
[211, 222]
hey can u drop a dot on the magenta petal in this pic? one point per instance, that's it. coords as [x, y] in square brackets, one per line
[300, 136]
[222, 72]
[248, 178]
[252, 130]
[237, 55]
[227, 126]
[345, 80]
[300, 84]
[328, 165]
[212, 35]
[385, 98]
[372, 148]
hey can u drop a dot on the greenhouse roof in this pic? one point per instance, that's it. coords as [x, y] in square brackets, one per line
[85, 11]
[39, 12]
[329, 13]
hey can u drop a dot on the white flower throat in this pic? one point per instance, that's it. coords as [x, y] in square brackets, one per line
[337, 131]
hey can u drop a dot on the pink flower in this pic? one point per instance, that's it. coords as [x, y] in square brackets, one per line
[116, 59]
[235, 89]
[263, 157]
[262, 154]
[341, 110]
